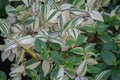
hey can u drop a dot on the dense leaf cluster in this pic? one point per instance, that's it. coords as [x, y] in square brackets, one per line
[65, 40]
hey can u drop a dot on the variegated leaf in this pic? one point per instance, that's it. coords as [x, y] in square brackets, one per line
[60, 74]
[81, 70]
[29, 39]
[96, 15]
[4, 28]
[65, 6]
[33, 66]
[102, 74]
[11, 11]
[45, 67]
[53, 16]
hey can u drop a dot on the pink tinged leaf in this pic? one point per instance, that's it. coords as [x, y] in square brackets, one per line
[5, 55]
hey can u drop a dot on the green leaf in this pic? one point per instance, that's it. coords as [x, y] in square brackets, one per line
[93, 69]
[101, 27]
[81, 39]
[115, 75]
[56, 57]
[89, 47]
[103, 75]
[3, 75]
[31, 72]
[108, 57]
[40, 46]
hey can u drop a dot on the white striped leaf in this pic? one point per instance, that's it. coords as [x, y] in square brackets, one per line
[61, 21]
[67, 25]
[102, 74]
[81, 70]
[4, 28]
[44, 10]
[11, 11]
[74, 33]
[53, 16]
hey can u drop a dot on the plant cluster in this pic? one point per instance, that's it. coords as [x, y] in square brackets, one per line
[62, 40]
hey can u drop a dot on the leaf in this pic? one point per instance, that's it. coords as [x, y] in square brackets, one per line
[77, 78]
[115, 75]
[65, 6]
[11, 11]
[90, 4]
[26, 2]
[92, 61]
[5, 55]
[74, 33]
[79, 21]
[96, 15]
[11, 44]
[4, 28]
[3, 75]
[57, 41]
[27, 41]
[19, 69]
[60, 74]
[44, 10]
[81, 39]
[108, 57]
[28, 21]
[61, 21]
[89, 47]
[81, 70]
[45, 67]
[103, 75]
[33, 65]
[40, 46]
[31, 73]
[53, 16]
[93, 69]
[84, 78]
[56, 57]
[77, 50]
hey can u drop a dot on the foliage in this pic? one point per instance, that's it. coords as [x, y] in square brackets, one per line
[72, 40]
